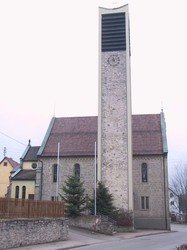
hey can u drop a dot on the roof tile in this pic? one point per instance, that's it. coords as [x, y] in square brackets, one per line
[77, 136]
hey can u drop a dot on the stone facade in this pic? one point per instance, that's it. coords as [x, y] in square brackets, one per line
[156, 214]
[114, 118]
[66, 169]
[24, 232]
[114, 133]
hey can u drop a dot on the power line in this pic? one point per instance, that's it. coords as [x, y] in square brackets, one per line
[12, 138]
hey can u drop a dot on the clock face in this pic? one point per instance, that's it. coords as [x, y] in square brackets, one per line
[113, 60]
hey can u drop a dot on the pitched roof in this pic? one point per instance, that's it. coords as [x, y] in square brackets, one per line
[31, 154]
[147, 134]
[77, 136]
[13, 163]
[26, 175]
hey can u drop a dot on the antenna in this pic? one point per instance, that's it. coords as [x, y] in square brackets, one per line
[54, 110]
[4, 151]
[162, 106]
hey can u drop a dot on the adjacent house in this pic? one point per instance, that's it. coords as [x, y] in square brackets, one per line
[23, 180]
[7, 165]
[173, 202]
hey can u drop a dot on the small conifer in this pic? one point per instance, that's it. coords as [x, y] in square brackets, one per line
[73, 196]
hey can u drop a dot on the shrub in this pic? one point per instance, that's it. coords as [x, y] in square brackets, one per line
[124, 218]
[182, 247]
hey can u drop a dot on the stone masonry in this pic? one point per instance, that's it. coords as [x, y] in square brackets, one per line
[24, 232]
[114, 128]
[154, 189]
[66, 169]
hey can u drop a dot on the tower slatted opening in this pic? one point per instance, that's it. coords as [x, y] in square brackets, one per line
[113, 32]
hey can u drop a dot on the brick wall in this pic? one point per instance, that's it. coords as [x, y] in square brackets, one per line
[24, 232]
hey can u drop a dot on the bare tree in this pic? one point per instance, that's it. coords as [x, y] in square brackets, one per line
[179, 185]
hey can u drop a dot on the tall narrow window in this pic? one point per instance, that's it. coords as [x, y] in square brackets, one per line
[17, 192]
[23, 192]
[54, 172]
[144, 172]
[77, 170]
[144, 202]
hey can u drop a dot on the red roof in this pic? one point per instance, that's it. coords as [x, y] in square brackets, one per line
[147, 134]
[77, 136]
[13, 163]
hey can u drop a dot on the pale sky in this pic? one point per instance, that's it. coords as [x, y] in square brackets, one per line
[49, 66]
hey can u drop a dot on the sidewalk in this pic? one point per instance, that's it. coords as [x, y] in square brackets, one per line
[81, 237]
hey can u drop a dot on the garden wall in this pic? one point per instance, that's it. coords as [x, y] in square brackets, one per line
[24, 232]
[92, 223]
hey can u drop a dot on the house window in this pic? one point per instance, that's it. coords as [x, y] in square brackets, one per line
[17, 192]
[77, 170]
[172, 203]
[31, 196]
[23, 192]
[144, 202]
[144, 172]
[171, 195]
[54, 172]
[5, 164]
[54, 198]
[34, 166]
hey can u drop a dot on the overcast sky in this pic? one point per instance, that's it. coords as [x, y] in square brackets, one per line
[49, 66]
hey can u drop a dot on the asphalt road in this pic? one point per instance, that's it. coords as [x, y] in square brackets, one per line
[163, 241]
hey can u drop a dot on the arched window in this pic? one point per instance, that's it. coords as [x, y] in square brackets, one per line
[17, 192]
[23, 192]
[54, 172]
[144, 172]
[77, 170]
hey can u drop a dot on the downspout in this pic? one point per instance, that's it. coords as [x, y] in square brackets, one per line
[165, 168]
[41, 179]
[165, 196]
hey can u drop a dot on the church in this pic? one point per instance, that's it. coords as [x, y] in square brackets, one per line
[127, 152]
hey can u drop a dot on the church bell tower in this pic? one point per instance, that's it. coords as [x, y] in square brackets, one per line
[114, 115]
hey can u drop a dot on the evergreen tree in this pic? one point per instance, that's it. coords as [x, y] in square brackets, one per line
[73, 196]
[104, 201]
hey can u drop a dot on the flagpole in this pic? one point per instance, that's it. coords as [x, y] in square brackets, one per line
[95, 183]
[57, 181]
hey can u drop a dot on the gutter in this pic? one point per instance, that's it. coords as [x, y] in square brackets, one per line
[41, 179]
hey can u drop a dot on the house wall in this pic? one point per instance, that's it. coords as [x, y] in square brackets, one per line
[173, 202]
[27, 165]
[4, 177]
[156, 216]
[30, 188]
[49, 188]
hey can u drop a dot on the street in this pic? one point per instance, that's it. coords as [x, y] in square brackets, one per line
[163, 241]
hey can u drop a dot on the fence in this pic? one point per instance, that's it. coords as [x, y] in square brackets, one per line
[18, 208]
